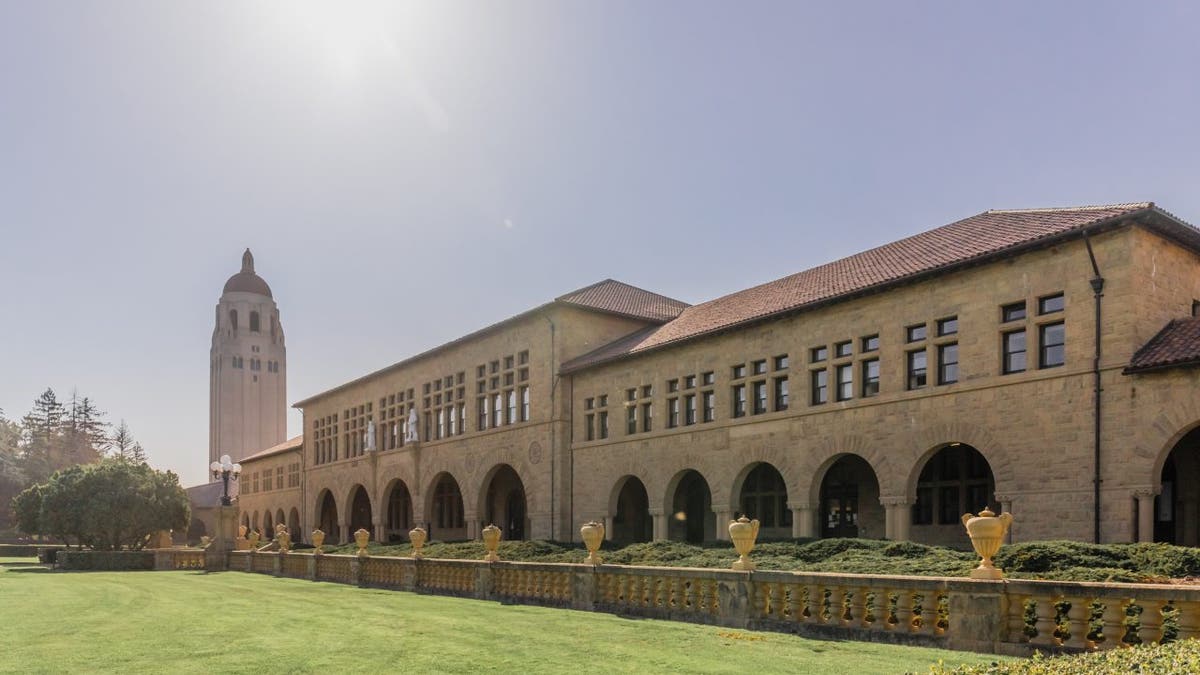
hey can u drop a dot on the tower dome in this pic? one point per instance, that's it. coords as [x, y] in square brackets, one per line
[246, 281]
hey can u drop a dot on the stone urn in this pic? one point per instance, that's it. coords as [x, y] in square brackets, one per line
[205, 541]
[284, 540]
[491, 541]
[242, 531]
[987, 531]
[318, 539]
[361, 537]
[743, 532]
[417, 536]
[592, 533]
[254, 537]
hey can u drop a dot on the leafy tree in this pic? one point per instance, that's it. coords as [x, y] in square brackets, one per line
[109, 505]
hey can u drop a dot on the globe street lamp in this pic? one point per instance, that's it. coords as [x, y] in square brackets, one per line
[225, 469]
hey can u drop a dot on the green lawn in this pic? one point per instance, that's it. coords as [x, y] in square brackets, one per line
[236, 622]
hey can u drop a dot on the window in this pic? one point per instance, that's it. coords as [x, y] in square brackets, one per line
[672, 386]
[524, 404]
[590, 429]
[589, 403]
[233, 318]
[948, 363]
[689, 382]
[511, 416]
[647, 391]
[1050, 304]
[254, 324]
[820, 387]
[441, 424]
[508, 363]
[710, 406]
[781, 394]
[603, 423]
[1014, 352]
[759, 367]
[870, 343]
[1052, 347]
[738, 372]
[1196, 308]
[523, 357]
[916, 369]
[497, 410]
[845, 382]
[647, 417]
[870, 375]
[631, 420]
[631, 394]
[689, 409]
[739, 400]
[914, 333]
[760, 397]
[672, 413]
[481, 407]
[842, 349]
[708, 378]
[947, 326]
[818, 354]
[1012, 312]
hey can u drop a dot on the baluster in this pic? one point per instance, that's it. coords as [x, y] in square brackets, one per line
[672, 592]
[1078, 616]
[787, 609]
[860, 604]
[1151, 627]
[1189, 619]
[689, 595]
[840, 610]
[764, 602]
[1016, 619]
[814, 602]
[715, 608]
[1044, 623]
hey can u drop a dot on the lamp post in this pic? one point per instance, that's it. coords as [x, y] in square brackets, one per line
[225, 469]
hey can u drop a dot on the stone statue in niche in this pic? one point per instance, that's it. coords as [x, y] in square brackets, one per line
[410, 433]
[370, 436]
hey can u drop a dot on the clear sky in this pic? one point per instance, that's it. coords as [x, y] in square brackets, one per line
[408, 172]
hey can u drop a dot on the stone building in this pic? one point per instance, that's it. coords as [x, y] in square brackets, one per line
[1040, 362]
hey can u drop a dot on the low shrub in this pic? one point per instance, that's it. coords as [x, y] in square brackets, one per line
[1178, 657]
[106, 560]
[24, 550]
[46, 555]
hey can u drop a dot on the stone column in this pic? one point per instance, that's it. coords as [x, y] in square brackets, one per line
[608, 528]
[380, 528]
[473, 530]
[724, 515]
[660, 524]
[345, 535]
[1006, 506]
[804, 520]
[897, 517]
[1145, 513]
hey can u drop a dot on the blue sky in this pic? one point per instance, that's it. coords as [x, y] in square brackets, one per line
[408, 172]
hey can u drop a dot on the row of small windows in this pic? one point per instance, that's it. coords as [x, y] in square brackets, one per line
[254, 322]
[255, 364]
[267, 480]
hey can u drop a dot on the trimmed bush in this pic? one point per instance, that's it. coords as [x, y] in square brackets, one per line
[106, 560]
[24, 550]
[1178, 657]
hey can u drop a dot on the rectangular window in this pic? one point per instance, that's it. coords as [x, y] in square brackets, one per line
[710, 406]
[870, 375]
[524, 404]
[462, 418]
[781, 362]
[647, 417]
[842, 349]
[870, 343]
[589, 403]
[948, 363]
[949, 509]
[523, 357]
[738, 372]
[818, 354]
[441, 423]
[917, 369]
[511, 416]
[1051, 304]
[631, 420]
[781, 394]
[497, 410]
[689, 382]
[689, 409]
[631, 394]
[603, 423]
[647, 391]
[739, 400]
[820, 387]
[708, 378]
[1014, 352]
[914, 333]
[1052, 341]
[672, 386]
[672, 413]
[590, 429]
[481, 408]
[947, 326]
[845, 380]
[760, 397]
[759, 367]
[508, 363]
[1012, 312]
[603, 401]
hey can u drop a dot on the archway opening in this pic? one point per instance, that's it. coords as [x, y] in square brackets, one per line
[255, 526]
[1177, 506]
[764, 497]
[448, 523]
[850, 500]
[246, 521]
[281, 519]
[268, 530]
[327, 518]
[692, 518]
[631, 521]
[956, 479]
[360, 510]
[399, 512]
[504, 505]
[196, 530]
[294, 525]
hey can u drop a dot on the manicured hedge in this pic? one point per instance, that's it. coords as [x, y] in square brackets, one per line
[1169, 659]
[106, 560]
[24, 550]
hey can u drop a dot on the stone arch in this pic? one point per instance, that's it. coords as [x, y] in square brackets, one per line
[932, 438]
[847, 490]
[502, 498]
[444, 508]
[196, 530]
[786, 463]
[327, 515]
[1169, 428]
[246, 520]
[760, 492]
[828, 452]
[398, 514]
[293, 522]
[280, 517]
[268, 530]
[688, 503]
[921, 460]
[629, 511]
[359, 510]
[255, 526]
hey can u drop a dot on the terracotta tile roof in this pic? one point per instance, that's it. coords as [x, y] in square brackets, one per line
[1176, 345]
[290, 444]
[961, 243]
[621, 298]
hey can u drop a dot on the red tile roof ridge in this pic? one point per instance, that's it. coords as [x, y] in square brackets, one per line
[290, 444]
[1176, 345]
[1091, 207]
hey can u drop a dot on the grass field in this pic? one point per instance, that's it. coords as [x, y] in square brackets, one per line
[183, 622]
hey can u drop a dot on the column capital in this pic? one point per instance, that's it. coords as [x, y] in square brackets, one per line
[1004, 499]
[896, 501]
[656, 512]
[1145, 492]
[802, 506]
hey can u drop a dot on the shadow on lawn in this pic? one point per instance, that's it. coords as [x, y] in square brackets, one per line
[27, 568]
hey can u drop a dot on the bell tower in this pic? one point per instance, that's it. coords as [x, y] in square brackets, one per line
[247, 369]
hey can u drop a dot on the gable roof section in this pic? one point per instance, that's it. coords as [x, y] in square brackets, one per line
[973, 240]
[616, 297]
[294, 443]
[1177, 345]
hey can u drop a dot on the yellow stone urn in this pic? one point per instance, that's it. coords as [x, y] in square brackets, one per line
[743, 532]
[361, 537]
[987, 531]
[242, 531]
[254, 537]
[204, 541]
[592, 533]
[318, 540]
[491, 541]
[284, 540]
[417, 536]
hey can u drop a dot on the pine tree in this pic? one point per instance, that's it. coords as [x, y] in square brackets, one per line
[92, 427]
[124, 446]
[45, 421]
[42, 429]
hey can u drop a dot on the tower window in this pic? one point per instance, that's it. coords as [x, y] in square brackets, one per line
[233, 318]
[253, 322]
